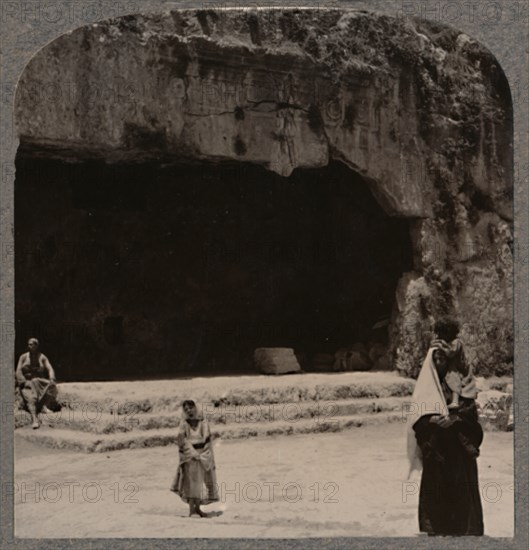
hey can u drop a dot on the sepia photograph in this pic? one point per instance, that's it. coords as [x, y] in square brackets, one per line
[263, 267]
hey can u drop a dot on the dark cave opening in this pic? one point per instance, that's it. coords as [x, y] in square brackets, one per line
[148, 271]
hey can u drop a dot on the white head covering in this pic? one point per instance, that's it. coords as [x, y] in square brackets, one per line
[427, 398]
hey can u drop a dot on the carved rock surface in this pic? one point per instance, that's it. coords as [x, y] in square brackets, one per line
[420, 110]
[495, 409]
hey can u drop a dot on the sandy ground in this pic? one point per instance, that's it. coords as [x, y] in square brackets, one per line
[344, 484]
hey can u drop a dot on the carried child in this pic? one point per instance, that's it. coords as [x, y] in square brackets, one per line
[459, 378]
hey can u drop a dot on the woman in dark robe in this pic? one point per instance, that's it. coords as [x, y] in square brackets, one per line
[195, 480]
[446, 446]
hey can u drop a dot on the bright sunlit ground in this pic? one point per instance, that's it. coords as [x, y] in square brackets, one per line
[343, 484]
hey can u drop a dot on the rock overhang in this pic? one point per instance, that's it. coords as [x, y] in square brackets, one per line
[283, 88]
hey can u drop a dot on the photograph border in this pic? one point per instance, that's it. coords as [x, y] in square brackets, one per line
[502, 26]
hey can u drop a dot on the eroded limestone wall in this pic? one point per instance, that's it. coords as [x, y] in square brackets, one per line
[422, 111]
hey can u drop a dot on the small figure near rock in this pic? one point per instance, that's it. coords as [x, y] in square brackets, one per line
[353, 358]
[36, 383]
[195, 480]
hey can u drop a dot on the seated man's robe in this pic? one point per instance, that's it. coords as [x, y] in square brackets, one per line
[34, 384]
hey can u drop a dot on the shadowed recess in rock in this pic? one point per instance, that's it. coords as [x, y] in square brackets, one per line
[148, 270]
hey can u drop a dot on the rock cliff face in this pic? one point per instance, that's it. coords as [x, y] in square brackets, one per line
[420, 110]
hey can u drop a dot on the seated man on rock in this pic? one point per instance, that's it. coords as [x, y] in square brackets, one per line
[35, 381]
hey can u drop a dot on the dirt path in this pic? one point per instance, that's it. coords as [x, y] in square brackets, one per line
[343, 484]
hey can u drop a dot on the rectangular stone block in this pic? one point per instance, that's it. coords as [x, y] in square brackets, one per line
[276, 360]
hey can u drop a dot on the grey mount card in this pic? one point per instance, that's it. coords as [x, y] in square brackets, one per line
[262, 273]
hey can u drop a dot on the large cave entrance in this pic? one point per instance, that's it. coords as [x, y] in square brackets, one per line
[133, 271]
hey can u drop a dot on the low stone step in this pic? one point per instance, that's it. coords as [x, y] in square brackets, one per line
[95, 421]
[90, 442]
[163, 396]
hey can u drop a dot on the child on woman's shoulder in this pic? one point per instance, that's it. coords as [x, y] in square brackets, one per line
[440, 360]
[459, 377]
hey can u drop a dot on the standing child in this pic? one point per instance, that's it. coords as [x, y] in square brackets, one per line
[195, 479]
